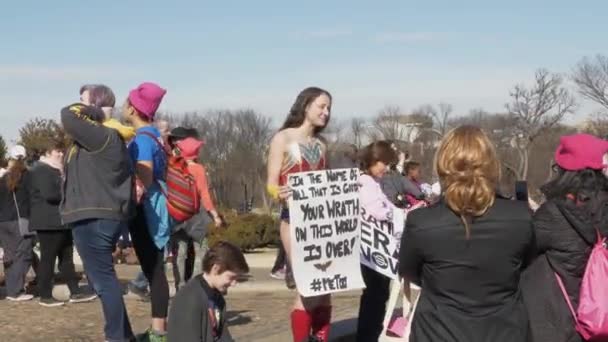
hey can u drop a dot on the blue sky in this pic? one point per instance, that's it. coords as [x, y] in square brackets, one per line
[259, 54]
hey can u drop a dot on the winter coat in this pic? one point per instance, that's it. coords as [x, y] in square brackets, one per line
[565, 236]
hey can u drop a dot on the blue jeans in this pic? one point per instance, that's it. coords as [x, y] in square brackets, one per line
[95, 241]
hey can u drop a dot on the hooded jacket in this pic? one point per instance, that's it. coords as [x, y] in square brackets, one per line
[98, 171]
[565, 235]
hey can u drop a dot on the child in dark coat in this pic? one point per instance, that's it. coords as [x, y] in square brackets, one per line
[198, 311]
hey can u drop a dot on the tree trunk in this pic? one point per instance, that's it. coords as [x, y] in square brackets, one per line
[521, 167]
[526, 155]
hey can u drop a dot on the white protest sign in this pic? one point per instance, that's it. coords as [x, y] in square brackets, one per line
[379, 242]
[324, 224]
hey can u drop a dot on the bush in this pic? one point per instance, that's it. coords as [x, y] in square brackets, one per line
[247, 231]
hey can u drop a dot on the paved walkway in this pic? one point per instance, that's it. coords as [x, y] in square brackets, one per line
[258, 310]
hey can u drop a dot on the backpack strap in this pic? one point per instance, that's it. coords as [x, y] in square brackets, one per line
[155, 138]
[563, 288]
[163, 148]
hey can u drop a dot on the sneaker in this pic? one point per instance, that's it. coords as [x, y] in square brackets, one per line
[279, 275]
[82, 298]
[50, 302]
[143, 294]
[20, 298]
[289, 281]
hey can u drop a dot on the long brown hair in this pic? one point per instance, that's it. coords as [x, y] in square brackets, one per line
[297, 113]
[15, 174]
[468, 171]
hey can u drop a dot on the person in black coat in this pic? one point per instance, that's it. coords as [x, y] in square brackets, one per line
[565, 226]
[55, 238]
[467, 252]
[14, 212]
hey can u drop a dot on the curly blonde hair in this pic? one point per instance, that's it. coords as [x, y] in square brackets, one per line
[468, 171]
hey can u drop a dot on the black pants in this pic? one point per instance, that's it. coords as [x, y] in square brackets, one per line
[152, 262]
[56, 244]
[373, 305]
[17, 257]
[281, 259]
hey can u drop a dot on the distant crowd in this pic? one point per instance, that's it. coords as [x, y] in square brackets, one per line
[475, 265]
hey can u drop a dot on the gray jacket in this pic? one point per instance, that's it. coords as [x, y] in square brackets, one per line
[394, 184]
[98, 172]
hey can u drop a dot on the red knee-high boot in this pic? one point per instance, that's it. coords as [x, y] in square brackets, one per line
[321, 322]
[301, 321]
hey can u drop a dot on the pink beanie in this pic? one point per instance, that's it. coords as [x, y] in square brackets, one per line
[146, 98]
[189, 148]
[581, 151]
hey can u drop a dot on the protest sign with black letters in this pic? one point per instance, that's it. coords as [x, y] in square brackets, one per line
[324, 216]
[380, 242]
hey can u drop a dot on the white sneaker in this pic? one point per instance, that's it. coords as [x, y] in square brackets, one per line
[20, 298]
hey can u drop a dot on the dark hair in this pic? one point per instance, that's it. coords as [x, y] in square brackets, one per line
[56, 143]
[14, 175]
[227, 256]
[379, 151]
[297, 113]
[412, 165]
[585, 185]
[99, 95]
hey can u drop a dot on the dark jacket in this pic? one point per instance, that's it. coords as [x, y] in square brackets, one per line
[98, 171]
[189, 316]
[8, 211]
[45, 197]
[195, 227]
[470, 288]
[565, 236]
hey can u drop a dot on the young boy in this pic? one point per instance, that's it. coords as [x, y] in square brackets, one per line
[198, 311]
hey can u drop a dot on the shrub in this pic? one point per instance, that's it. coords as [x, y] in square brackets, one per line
[247, 231]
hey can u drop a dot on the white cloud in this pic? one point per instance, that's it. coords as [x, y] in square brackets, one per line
[406, 37]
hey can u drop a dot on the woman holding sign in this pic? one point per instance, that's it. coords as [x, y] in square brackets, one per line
[468, 251]
[298, 147]
[375, 161]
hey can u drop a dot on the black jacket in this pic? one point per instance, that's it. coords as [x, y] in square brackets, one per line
[470, 288]
[98, 171]
[565, 236]
[189, 316]
[45, 197]
[8, 211]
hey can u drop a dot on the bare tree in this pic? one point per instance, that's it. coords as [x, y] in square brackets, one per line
[3, 150]
[591, 77]
[335, 132]
[234, 153]
[537, 109]
[597, 124]
[387, 124]
[357, 129]
[440, 117]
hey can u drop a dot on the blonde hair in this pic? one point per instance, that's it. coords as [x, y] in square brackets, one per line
[468, 171]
